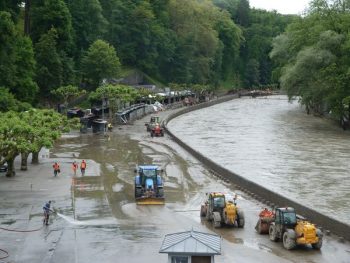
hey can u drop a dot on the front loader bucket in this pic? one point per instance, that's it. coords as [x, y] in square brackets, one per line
[150, 201]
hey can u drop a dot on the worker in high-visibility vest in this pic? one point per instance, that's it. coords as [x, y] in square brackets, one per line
[83, 167]
[56, 169]
[74, 167]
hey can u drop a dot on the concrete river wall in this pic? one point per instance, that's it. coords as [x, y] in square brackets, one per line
[255, 190]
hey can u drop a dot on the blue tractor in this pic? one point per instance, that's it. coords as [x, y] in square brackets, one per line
[149, 185]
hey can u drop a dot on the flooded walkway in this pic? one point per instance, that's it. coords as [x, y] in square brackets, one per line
[274, 143]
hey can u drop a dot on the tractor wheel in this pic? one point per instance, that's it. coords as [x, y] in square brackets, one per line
[240, 218]
[216, 220]
[317, 245]
[258, 227]
[203, 211]
[138, 192]
[272, 233]
[160, 192]
[288, 242]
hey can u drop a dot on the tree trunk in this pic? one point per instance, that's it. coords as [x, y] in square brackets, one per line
[10, 168]
[35, 157]
[24, 161]
[27, 17]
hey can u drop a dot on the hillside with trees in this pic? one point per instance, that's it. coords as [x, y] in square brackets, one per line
[53, 50]
[47, 44]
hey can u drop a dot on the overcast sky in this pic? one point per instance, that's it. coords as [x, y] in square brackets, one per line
[282, 6]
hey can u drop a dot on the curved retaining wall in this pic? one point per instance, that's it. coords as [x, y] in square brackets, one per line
[255, 190]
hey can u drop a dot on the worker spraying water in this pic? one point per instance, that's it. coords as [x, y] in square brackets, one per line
[47, 210]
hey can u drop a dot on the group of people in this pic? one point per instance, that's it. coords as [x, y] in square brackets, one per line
[75, 166]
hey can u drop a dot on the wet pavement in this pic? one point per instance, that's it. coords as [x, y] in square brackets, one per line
[98, 220]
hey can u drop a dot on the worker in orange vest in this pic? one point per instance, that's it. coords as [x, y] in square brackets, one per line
[74, 167]
[56, 169]
[83, 167]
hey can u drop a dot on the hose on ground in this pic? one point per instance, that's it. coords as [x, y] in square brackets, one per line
[5, 252]
[20, 231]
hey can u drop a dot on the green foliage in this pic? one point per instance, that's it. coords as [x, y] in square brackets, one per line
[313, 57]
[115, 95]
[16, 61]
[46, 14]
[88, 22]
[12, 7]
[101, 61]
[67, 93]
[49, 74]
[29, 131]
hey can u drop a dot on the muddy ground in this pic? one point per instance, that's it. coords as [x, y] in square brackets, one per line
[98, 220]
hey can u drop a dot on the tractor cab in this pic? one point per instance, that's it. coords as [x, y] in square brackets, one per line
[149, 185]
[154, 119]
[221, 209]
[286, 217]
[216, 201]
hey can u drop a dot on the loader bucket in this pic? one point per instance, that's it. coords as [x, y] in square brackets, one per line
[150, 201]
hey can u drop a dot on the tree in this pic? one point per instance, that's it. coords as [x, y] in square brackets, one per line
[12, 7]
[252, 73]
[88, 22]
[27, 132]
[13, 131]
[17, 64]
[115, 95]
[48, 14]
[100, 62]
[49, 65]
[312, 58]
[8, 102]
[67, 93]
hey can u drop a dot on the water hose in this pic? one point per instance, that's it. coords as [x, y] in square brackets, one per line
[5, 252]
[21, 231]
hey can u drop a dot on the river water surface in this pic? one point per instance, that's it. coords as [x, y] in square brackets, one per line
[274, 143]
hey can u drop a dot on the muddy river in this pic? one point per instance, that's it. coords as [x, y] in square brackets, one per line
[274, 143]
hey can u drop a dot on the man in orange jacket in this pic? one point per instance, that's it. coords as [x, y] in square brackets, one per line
[83, 167]
[56, 169]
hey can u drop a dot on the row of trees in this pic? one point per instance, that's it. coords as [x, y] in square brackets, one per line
[27, 132]
[47, 44]
[313, 58]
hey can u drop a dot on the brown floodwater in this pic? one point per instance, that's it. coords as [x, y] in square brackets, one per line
[273, 142]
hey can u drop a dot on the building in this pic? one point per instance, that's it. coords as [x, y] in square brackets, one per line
[191, 247]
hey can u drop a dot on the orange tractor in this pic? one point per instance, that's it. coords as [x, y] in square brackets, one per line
[157, 131]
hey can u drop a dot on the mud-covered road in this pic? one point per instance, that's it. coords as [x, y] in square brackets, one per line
[98, 220]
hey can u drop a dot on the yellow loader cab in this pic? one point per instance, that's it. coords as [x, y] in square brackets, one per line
[293, 231]
[221, 211]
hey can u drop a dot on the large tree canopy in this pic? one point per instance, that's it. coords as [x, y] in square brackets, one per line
[101, 61]
[313, 57]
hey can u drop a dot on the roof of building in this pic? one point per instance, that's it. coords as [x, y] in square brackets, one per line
[191, 242]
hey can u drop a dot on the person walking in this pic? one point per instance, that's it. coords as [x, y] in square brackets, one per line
[56, 169]
[83, 167]
[74, 167]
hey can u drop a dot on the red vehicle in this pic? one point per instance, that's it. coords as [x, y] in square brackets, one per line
[157, 131]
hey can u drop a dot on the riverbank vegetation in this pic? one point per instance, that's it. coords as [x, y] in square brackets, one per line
[313, 59]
